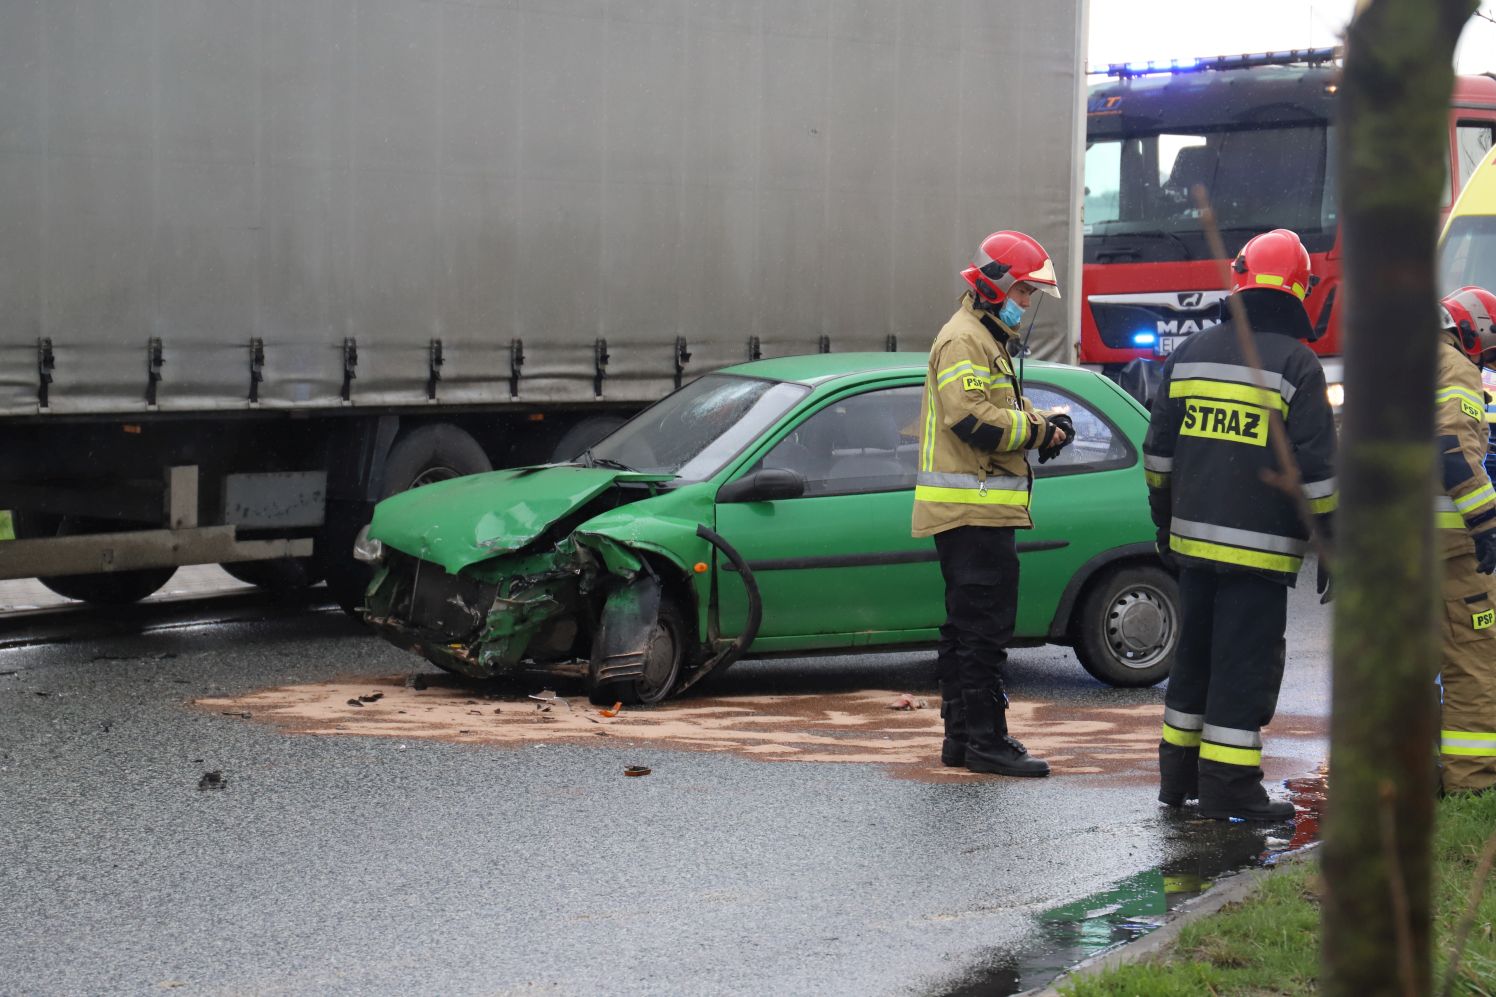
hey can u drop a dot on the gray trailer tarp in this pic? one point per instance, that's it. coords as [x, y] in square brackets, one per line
[365, 177]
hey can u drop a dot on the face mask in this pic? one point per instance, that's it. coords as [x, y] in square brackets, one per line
[1010, 314]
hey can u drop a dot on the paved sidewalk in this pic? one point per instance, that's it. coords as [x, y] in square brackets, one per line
[190, 582]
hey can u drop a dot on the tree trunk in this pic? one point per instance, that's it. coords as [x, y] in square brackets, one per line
[1393, 127]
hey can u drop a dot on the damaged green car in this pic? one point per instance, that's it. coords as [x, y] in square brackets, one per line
[763, 510]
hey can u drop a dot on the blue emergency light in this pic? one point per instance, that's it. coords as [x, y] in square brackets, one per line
[1292, 57]
[1144, 339]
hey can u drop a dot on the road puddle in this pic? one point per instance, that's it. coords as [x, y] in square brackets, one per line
[1202, 852]
[1107, 742]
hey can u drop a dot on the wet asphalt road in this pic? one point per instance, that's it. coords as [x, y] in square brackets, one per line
[368, 865]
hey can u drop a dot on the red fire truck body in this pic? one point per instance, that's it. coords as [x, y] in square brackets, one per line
[1258, 133]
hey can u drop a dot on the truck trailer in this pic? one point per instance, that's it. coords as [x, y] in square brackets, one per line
[263, 263]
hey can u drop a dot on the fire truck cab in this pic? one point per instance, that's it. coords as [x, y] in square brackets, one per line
[1257, 132]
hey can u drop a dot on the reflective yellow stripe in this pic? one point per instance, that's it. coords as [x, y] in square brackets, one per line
[1483, 620]
[1268, 278]
[1018, 420]
[929, 455]
[1445, 394]
[1322, 505]
[1236, 555]
[970, 496]
[1156, 479]
[1183, 738]
[1212, 752]
[1468, 743]
[1485, 493]
[1250, 393]
[1449, 521]
[962, 367]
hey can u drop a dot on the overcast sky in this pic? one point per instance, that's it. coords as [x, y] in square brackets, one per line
[1129, 31]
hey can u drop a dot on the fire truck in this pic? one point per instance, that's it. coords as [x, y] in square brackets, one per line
[1258, 133]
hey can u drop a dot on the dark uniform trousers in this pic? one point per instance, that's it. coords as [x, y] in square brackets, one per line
[1224, 685]
[980, 567]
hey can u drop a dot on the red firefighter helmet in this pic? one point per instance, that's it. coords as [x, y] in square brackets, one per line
[1471, 313]
[1275, 259]
[1003, 259]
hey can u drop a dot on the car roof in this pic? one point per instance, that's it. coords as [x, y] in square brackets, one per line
[820, 368]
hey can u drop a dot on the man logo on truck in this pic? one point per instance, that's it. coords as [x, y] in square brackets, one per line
[1174, 327]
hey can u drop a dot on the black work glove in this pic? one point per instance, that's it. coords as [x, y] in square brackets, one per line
[1323, 581]
[1048, 449]
[1485, 552]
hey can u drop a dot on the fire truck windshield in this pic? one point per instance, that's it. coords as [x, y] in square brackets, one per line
[1138, 202]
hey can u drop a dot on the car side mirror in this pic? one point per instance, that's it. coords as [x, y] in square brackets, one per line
[768, 485]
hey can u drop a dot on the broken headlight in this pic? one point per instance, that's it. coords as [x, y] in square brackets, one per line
[366, 548]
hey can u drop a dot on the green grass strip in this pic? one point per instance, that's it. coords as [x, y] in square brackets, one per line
[1269, 943]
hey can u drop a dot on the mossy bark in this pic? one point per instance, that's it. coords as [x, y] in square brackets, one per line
[1394, 100]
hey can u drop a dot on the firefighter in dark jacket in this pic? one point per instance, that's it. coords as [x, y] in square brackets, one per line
[972, 492]
[1465, 514]
[1236, 541]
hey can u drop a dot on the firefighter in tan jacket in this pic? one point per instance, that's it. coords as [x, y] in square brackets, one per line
[1466, 518]
[973, 491]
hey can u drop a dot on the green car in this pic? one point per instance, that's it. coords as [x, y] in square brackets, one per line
[763, 510]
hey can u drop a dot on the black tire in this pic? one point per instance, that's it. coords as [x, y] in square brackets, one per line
[423, 456]
[113, 588]
[279, 578]
[669, 652]
[583, 435]
[1126, 628]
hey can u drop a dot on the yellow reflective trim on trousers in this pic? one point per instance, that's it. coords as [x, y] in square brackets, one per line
[1449, 521]
[1182, 738]
[1322, 505]
[970, 496]
[1195, 387]
[1156, 479]
[1286, 563]
[1472, 744]
[1212, 752]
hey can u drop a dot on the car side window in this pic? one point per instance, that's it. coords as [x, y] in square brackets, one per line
[1098, 446]
[863, 443]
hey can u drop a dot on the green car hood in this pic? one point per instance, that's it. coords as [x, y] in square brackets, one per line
[461, 522]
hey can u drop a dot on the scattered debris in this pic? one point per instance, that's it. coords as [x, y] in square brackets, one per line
[495, 709]
[907, 702]
[105, 727]
[373, 697]
[416, 682]
[546, 698]
[636, 770]
[475, 713]
[231, 713]
[464, 731]
[12, 672]
[354, 702]
[44, 695]
[212, 780]
[617, 709]
[1277, 842]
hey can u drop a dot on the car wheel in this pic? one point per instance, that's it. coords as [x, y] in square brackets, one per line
[662, 667]
[110, 588]
[1126, 630]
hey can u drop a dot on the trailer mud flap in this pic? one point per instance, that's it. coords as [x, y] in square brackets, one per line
[627, 631]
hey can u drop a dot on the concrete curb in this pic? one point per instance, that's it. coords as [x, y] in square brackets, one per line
[1231, 889]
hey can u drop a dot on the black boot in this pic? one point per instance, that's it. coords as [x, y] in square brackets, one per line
[953, 712]
[989, 749]
[1178, 774]
[1235, 791]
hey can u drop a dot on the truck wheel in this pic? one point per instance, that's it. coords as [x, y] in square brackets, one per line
[279, 578]
[661, 669]
[423, 456]
[582, 435]
[110, 588]
[1126, 629]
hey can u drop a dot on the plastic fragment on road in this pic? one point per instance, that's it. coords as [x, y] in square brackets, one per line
[354, 702]
[907, 702]
[636, 770]
[546, 698]
[372, 697]
[616, 709]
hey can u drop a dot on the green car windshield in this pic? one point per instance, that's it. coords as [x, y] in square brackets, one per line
[695, 431]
